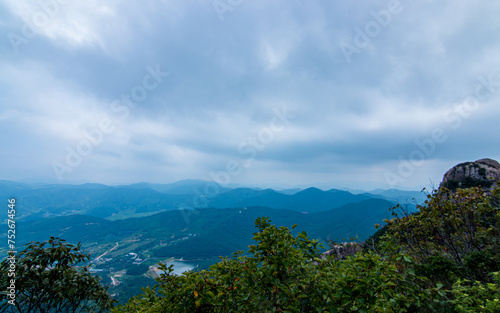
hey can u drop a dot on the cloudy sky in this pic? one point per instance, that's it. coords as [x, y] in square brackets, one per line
[373, 94]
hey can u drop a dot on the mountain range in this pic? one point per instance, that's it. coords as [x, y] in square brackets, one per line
[216, 231]
[160, 222]
[155, 215]
[38, 201]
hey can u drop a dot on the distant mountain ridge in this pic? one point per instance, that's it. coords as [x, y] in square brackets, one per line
[309, 200]
[400, 196]
[181, 187]
[37, 201]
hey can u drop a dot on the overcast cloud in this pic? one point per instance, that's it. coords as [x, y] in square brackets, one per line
[372, 94]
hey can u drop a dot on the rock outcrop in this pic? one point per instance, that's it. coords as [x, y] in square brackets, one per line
[343, 250]
[484, 173]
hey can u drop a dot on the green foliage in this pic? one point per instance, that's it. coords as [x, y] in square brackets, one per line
[451, 235]
[50, 278]
[454, 240]
[496, 192]
[477, 296]
[284, 274]
[373, 242]
[368, 283]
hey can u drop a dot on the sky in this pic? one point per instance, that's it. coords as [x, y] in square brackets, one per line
[360, 94]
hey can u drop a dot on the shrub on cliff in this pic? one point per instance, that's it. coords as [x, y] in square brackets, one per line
[49, 277]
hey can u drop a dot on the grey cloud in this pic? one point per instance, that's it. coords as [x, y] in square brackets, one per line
[226, 77]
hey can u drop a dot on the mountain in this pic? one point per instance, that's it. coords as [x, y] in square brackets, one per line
[242, 197]
[117, 202]
[182, 187]
[399, 196]
[37, 202]
[115, 222]
[309, 200]
[290, 191]
[204, 233]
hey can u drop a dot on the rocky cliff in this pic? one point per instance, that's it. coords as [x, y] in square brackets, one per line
[484, 173]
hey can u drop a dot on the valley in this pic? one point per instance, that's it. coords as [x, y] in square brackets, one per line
[146, 225]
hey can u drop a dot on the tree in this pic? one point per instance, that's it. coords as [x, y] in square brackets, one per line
[51, 277]
[454, 235]
[454, 241]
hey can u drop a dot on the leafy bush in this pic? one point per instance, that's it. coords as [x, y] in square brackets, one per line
[454, 239]
[477, 296]
[50, 278]
[284, 274]
[450, 236]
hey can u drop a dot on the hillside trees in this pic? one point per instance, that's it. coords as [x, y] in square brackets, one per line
[454, 241]
[50, 277]
[454, 235]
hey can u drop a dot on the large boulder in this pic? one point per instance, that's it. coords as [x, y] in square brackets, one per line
[484, 173]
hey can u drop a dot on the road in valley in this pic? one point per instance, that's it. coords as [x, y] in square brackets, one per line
[114, 248]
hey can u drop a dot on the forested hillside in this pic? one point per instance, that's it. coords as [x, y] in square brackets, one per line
[217, 231]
